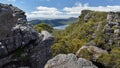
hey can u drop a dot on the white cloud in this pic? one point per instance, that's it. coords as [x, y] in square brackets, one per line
[42, 8]
[79, 7]
[52, 12]
[45, 12]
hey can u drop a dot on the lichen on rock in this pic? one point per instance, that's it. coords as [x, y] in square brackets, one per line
[69, 61]
[20, 44]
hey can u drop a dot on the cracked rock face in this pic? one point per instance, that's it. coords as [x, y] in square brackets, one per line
[9, 17]
[6, 17]
[21, 45]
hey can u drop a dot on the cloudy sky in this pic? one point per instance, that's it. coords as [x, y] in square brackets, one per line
[51, 9]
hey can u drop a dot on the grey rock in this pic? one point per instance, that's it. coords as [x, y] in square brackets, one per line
[7, 20]
[24, 67]
[42, 51]
[9, 17]
[108, 31]
[95, 52]
[46, 35]
[69, 61]
[5, 60]
[21, 45]
[112, 29]
[110, 16]
[87, 17]
[117, 31]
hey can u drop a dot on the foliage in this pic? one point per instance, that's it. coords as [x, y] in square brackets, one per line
[111, 60]
[80, 33]
[43, 26]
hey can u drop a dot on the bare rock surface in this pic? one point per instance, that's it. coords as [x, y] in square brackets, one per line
[68, 61]
[94, 52]
[21, 46]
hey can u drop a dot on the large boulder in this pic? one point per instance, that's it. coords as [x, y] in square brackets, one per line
[21, 45]
[90, 52]
[7, 20]
[42, 53]
[69, 61]
[9, 17]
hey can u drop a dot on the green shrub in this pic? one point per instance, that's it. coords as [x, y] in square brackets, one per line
[111, 60]
[43, 26]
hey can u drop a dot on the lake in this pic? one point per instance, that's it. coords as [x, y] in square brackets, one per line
[60, 27]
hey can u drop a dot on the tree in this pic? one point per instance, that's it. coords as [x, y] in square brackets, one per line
[43, 26]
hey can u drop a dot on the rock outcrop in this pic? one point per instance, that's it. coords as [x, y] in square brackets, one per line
[87, 17]
[96, 36]
[20, 44]
[42, 52]
[9, 16]
[69, 61]
[112, 29]
[93, 52]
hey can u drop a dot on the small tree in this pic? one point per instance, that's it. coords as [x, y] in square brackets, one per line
[43, 26]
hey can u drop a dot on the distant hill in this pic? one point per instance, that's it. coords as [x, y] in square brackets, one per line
[55, 22]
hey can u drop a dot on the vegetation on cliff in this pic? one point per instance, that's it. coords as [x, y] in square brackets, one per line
[43, 26]
[91, 26]
[102, 28]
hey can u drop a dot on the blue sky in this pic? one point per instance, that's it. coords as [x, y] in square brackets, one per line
[51, 9]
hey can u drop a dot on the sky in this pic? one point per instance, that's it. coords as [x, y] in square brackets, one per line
[58, 9]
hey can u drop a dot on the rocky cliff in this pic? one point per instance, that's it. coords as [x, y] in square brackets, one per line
[104, 39]
[20, 44]
[95, 37]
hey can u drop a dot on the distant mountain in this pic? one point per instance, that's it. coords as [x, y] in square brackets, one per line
[55, 22]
